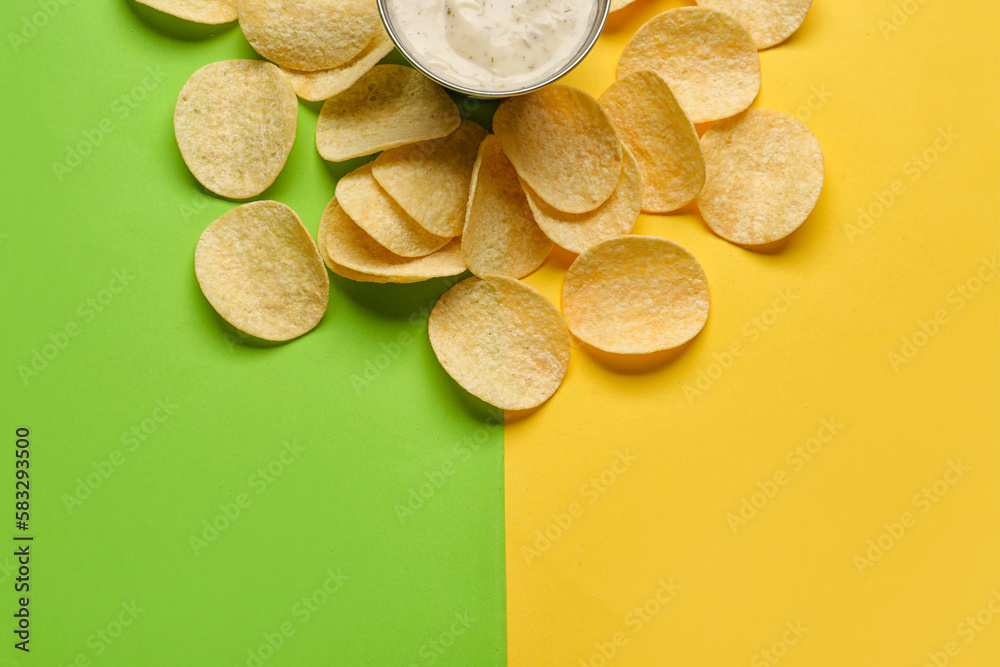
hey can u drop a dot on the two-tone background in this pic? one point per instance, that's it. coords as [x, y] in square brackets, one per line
[813, 481]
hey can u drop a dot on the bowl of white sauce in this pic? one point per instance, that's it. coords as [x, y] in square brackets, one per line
[494, 48]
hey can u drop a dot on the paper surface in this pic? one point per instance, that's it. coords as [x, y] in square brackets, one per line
[630, 477]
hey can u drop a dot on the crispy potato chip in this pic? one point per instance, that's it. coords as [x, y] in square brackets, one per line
[388, 106]
[340, 269]
[707, 57]
[765, 175]
[615, 217]
[374, 211]
[563, 144]
[635, 295]
[348, 246]
[309, 35]
[325, 83]
[653, 126]
[769, 23]
[259, 268]
[501, 340]
[235, 126]
[430, 180]
[620, 4]
[212, 12]
[500, 235]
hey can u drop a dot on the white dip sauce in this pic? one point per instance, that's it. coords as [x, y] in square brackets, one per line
[493, 44]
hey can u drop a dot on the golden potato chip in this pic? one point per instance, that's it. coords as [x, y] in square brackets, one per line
[388, 106]
[707, 57]
[500, 235]
[501, 340]
[615, 217]
[235, 126]
[340, 269]
[563, 144]
[259, 268]
[350, 247]
[309, 35]
[324, 84]
[430, 180]
[654, 127]
[765, 175]
[620, 4]
[374, 211]
[199, 11]
[769, 23]
[635, 295]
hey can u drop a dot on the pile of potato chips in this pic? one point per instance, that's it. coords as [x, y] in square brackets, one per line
[444, 196]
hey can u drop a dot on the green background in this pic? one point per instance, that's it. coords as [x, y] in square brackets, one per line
[93, 184]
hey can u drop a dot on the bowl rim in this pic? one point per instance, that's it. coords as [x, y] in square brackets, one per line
[596, 28]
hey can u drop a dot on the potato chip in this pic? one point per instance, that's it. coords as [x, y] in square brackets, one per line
[340, 269]
[635, 295]
[501, 340]
[620, 4]
[430, 180]
[615, 217]
[500, 235]
[563, 144]
[654, 127]
[259, 268]
[388, 106]
[707, 57]
[212, 12]
[374, 211]
[765, 175]
[332, 265]
[350, 247]
[325, 83]
[235, 126]
[309, 35]
[769, 23]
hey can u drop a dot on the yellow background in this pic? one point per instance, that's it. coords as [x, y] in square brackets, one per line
[876, 98]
